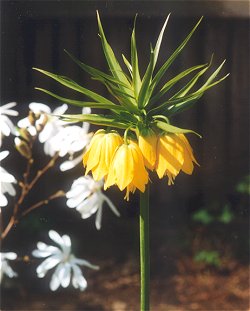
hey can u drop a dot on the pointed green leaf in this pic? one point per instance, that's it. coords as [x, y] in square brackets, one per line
[110, 56]
[186, 88]
[168, 85]
[143, 94]
[167, 105]
[198, 94]
[123, 98]
[96, 119]
[171, 59]
[95, 72]
[74, 86]
[83, 103]
[159, 40]
[134, 61]
[213, 76]
[173, 129]
[128, 65]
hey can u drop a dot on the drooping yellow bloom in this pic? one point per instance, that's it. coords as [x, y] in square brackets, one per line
[174, 153]
[127, 169]
[148, 143]
[100, 153]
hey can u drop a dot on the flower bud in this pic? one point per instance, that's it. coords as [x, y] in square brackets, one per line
[25, 134]
[23, 148]
[32, 118]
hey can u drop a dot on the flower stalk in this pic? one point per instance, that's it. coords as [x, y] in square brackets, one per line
[144, 249]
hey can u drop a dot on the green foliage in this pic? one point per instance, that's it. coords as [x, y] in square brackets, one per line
[226, 216]
[205, 217]
[135, 93]
[208, 257]
[244, 185]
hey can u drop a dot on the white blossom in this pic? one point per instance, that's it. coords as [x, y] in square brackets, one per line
[6, 125]
[65, 263]
[6, 181]
[5, 268]
[60, 136]
[53, 124]
[87, 197]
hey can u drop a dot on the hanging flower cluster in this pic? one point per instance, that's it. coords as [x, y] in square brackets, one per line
[124, 162]
[142, 108]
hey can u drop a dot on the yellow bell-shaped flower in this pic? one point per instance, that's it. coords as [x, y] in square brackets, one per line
[127, 169]
[174, 153]
[100, 153]
[148, 142]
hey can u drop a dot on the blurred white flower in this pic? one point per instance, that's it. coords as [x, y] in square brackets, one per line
[69, 140]
[6, 125]
[53, 124]
[59, 136]
[87, 197]
[6, 181]
[61, 258]
[5, 268]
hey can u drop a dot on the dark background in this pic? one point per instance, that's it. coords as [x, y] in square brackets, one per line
[34, 33]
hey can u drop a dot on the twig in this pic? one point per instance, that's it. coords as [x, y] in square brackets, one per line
[41, 172]
[58, 194]
[26, 187]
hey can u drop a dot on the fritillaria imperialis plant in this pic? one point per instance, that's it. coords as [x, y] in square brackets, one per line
[141, 109]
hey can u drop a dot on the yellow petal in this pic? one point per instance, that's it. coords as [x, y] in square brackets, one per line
[124, 167]
[130, 188]
[148, 145]
[170, 155]
[140, 175]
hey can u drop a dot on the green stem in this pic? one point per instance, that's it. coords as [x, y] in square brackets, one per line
[144, 249]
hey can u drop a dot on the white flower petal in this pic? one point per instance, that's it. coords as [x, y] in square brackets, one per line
[88, 207]
[23, 123]
[5, 126]
[76, 200]
[6, 177]
[65, 275]
[47, 132]
[38, 107]
[48, 251]
[55, 280]
[41, 246]
[60, 110]
[67, 240]
[83, 262]
[3, 200]
[48, 264]
[4, 154]
[68, 165]
[98, 219]
[7, 106]
[56, 237]
[78, 189]
[78, 280]
[9, 256]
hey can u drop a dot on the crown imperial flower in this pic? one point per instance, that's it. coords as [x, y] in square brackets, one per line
[140, 105]
[127, 169]
[100, 153]
[174, 153]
